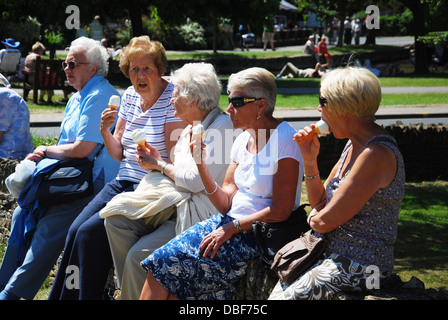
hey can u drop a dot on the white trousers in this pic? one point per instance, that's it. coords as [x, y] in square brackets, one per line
[132, 241]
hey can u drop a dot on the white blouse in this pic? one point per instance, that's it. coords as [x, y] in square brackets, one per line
[254, 174]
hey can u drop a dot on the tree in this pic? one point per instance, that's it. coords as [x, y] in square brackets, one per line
[208, 12]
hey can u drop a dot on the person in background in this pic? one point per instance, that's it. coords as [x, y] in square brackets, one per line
[357, 31]
[356, 209]
[10, 45]
[38, 49]
[323, 53]
[15, 137]
[262, 183]
[310, 48]
[291, 71]
[268, 33]
[195, 98]
[145, 105]
[37, 235]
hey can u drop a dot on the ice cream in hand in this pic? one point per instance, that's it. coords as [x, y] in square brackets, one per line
[139, 137]
[114, 102]
[320, 127]
[198, 131]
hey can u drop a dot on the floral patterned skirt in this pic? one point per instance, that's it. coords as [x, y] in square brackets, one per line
[330, 275]
[186, 274]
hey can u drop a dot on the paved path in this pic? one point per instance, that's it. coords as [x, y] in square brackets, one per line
[287, 113]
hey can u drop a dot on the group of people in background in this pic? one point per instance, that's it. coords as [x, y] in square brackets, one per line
[174, 217]
[352, 30]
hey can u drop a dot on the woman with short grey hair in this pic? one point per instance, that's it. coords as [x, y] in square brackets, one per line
[39, 247]
[94, 52]
[195, 98]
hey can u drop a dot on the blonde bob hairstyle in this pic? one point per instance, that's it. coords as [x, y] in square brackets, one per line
[142, 45]
[351, 91]
[255, 83]
[198, 81]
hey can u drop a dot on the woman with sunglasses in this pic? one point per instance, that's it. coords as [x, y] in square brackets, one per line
[145, 105]
[262, 183]
[29, 259]
[356, 209]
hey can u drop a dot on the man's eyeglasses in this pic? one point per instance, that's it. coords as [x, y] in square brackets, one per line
[238, 102]
[71, 65]
[322, 101]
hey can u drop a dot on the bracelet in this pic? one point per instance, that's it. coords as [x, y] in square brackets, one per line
[311, 177]
[310, 217]
[210, 193]
[237, 225]
[163, 167]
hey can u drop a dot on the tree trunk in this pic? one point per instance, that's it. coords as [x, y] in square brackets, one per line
[421, 61]
[135, 14]
[418, 11]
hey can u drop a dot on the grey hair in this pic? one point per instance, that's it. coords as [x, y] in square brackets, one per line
[255, 82]
[95, 53]
[198, 81]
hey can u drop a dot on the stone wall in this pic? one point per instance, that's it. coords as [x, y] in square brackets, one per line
[424, 149]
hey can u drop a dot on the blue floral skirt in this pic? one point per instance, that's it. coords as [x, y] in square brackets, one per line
[186, 274]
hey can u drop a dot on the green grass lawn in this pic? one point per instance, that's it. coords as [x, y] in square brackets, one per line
[310, 101]
[422, 246]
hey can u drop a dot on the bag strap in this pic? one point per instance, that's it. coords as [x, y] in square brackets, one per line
[98, 148]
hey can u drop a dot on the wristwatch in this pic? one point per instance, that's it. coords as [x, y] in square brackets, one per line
[45, 152]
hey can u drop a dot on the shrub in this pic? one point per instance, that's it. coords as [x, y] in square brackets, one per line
[26, 31]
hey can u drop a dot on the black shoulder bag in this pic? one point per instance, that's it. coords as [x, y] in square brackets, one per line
[69, 180]
[270, 237]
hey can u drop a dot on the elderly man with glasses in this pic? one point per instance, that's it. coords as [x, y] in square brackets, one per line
[38, 233]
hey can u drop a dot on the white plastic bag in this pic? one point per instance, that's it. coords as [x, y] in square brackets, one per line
[17, 180]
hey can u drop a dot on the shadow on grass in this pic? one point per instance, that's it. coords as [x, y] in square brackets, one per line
[422, 227]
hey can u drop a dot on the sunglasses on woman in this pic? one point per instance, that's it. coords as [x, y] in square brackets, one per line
[322, 101]
[71, 65]
[238, 102]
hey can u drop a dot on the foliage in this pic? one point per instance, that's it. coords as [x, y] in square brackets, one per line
[154, 26]
[193, 35]
[123, 36]
[55, 37]
[435, 38]
[397, 24]
[25, 30]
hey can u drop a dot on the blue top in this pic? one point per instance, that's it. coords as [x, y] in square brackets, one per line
[82, 122]
[16, 141]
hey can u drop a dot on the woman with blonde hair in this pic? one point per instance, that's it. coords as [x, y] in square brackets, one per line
[356, 209]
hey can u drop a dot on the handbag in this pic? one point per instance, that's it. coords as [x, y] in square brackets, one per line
[272, 236]
[69, 180]
[298, 256]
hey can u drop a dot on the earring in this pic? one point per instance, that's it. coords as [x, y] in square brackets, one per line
[258, 117]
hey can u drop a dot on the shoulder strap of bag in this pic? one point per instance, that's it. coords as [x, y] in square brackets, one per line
[98, 149]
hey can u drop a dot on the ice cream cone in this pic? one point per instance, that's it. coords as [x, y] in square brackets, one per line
[198, 131]
[139, 137]
[320, 127]
[114, 102]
